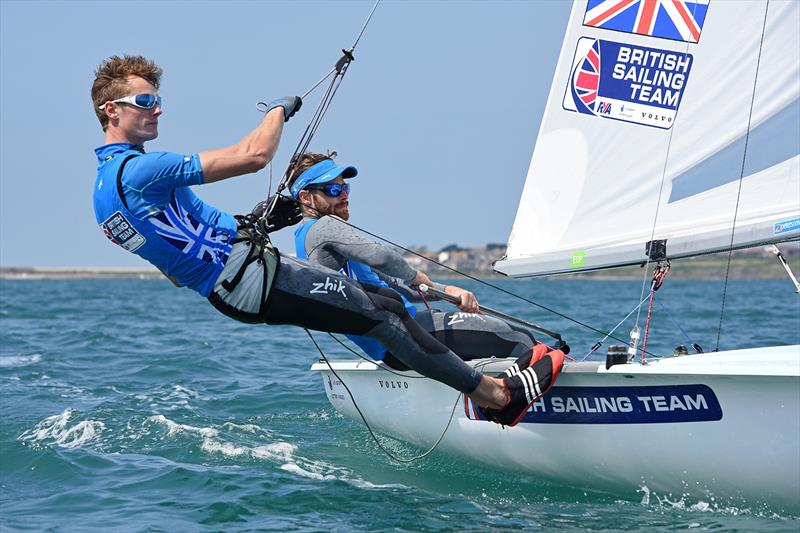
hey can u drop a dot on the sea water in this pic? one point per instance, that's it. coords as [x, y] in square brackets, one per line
[129, 405]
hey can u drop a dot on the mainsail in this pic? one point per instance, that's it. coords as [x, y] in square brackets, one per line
[668, 120]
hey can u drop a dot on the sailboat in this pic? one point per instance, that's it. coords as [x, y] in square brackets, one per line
[671, 130]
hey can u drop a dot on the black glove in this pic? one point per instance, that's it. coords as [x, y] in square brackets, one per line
[290, 105]
[286, 213]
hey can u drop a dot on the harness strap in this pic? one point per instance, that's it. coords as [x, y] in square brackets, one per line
[230, 285]
[119, 179]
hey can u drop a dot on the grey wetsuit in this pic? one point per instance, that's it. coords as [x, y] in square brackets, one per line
[331, 242]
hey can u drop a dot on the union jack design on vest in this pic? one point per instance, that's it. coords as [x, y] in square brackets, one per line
[190, 236]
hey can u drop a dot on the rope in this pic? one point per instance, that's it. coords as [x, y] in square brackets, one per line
[599, 343]
[424, 300]
[697, 348]
[647, 324]
[473, 278]
[659, 275]
[369, 428]
[741, 178]
[338, 73]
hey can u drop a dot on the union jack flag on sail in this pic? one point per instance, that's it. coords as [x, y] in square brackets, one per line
[680, 20]
[586, 78]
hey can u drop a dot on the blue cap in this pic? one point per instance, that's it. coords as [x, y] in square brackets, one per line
[323, 172]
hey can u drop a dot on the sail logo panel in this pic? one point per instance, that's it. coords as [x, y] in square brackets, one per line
[626, 82]
[786, 226]
[679, 20]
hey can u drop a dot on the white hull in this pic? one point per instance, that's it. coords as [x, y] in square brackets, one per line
[611, 429]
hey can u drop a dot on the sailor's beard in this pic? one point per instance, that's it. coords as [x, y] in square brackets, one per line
[342, 210]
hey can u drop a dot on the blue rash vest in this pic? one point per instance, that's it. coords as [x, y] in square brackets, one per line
[358, 271]
[164, 222]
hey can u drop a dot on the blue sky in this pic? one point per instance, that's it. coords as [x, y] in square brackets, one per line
[439, 111]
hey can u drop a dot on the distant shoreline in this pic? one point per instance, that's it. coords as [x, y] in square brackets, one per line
[39, 273]
[751, 264]
[700, 268]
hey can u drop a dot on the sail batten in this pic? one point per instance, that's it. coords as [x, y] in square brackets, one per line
[644, 139]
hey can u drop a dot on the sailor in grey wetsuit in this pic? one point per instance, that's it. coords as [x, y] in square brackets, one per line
[324, 238]
[143, 203]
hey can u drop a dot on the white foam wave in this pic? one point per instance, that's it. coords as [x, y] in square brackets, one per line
[227, 449]
[174, 397]
[280, 452]
[363, 484]
[277, 452]
[173, 428]
[56, 430]
[250, 428]
[20, 360]
[295, 469]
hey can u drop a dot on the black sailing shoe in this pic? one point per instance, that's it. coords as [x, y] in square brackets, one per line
[527, 386]
[525, 360]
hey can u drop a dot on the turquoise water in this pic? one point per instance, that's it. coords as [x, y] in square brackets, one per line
[129, 405]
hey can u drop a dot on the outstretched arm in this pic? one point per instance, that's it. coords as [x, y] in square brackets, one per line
[331, 237]
[252, 153]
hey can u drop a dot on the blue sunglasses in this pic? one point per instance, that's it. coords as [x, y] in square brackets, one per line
[144, 100]
[333, 190]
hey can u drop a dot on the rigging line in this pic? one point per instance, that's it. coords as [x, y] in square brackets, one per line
[741, 177]
[313, 125]
[365, 24]
[318, 83]
[658, 205]
[340, 69]
[675, 322]
[482, 282]
[334, 87]
[598, 344]
[305, 139]
[363, 418]
[660, 192]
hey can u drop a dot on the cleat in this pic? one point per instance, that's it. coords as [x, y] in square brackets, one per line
[526, 360]
[526, 387]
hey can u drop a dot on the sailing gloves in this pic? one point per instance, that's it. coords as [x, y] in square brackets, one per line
[286, 213]
[290, 105]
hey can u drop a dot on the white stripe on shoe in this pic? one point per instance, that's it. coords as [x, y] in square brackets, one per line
[513, 370]
[531, 374]
[529, 386]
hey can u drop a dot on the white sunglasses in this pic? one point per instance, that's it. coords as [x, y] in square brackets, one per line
[144, 100]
